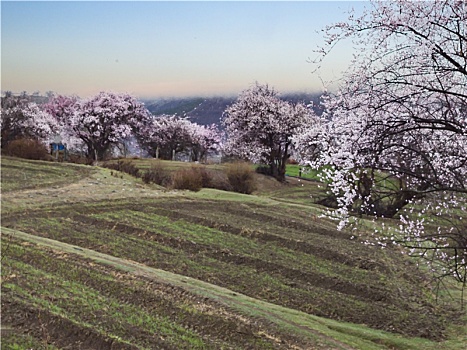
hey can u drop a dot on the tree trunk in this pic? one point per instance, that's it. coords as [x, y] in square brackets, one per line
[282, 162]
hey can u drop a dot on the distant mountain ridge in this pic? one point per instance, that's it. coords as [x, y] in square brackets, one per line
[209, 110]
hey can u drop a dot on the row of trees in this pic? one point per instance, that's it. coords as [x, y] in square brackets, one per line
[102, 122]
[166, 136]
[259, 127]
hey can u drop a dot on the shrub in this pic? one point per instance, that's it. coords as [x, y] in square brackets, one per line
[206, 176]
[188, 179]
[28, 149]
[157, 174]
[126, 166]
[263, 169]
[218, 181]
[213, 178]
[111, 165]
[129, 167]
[241, 177]
[79, 159]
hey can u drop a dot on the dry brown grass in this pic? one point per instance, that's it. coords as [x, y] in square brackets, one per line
[241, 177]
[27, 149]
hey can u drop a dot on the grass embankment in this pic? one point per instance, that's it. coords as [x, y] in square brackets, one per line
[22, 174]
[276, 252]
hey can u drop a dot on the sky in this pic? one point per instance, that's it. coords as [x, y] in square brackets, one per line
[164, 49]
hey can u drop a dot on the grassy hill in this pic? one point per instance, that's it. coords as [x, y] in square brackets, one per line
[91, 260]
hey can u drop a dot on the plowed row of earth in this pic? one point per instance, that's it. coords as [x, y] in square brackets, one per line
[267, 253]
[112, 309]
[276, 252]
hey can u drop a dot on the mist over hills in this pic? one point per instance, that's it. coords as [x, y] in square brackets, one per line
[209, 110]
[201, 110]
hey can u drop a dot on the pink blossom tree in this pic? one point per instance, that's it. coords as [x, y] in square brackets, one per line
[21, 118]
[62, 108]
[105, 120]
[168, 135]
[398, 134]
[205, 140]
[260, 127]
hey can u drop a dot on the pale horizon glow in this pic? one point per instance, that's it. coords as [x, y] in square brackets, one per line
[162, 49]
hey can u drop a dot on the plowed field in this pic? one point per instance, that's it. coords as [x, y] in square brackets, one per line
[144, 268]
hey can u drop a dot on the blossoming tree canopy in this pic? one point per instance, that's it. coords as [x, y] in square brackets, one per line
[62, 108]
[404, 97]
[167, 135]
[260, 127]
[399, 122]
[106, 119]
[22, 118]
[205, 140]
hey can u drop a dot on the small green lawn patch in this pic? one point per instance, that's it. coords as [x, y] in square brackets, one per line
[304, 172]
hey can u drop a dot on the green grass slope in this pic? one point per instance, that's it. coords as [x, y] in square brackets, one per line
[133, 266]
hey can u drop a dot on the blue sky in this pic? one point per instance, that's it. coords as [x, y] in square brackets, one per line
[153, 48]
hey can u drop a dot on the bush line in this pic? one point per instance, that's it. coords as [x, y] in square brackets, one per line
[235, 177]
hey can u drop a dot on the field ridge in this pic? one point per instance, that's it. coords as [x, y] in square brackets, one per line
[228, 297]
[135, 266]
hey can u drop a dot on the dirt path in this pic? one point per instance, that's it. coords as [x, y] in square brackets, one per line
[282, 317]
